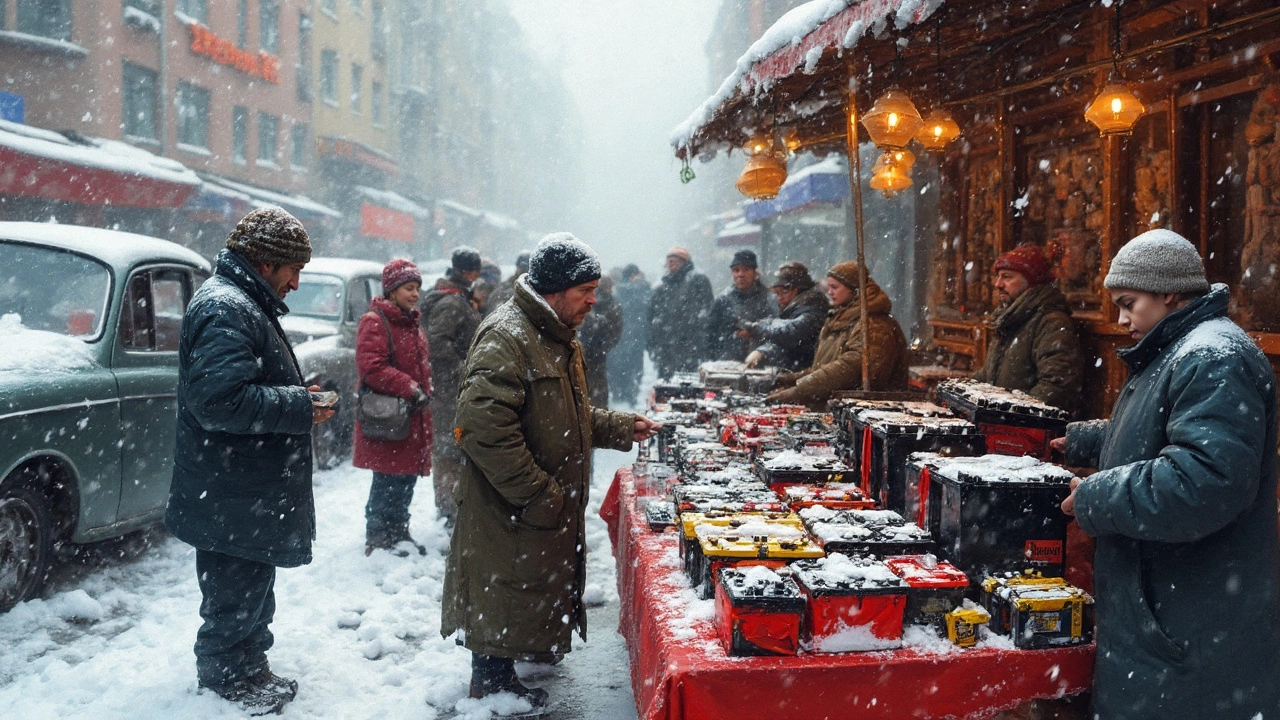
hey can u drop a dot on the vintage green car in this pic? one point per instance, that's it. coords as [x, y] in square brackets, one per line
[89, 329]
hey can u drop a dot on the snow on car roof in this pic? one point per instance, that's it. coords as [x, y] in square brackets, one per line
[118, 248]
[345, 267]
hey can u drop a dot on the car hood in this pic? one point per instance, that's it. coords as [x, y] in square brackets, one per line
[300, 329]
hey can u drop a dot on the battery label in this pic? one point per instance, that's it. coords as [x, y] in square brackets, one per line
[1043, 622]
[1044, 551]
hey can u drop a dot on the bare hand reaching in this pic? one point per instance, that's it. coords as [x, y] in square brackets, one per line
[645, 428]
[319, 413]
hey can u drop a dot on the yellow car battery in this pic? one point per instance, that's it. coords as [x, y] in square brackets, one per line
[963, 623]
[1038, 612]
[757, 542]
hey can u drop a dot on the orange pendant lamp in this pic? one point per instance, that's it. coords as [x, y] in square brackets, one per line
[1115, 109]
[766, 168]
[892, 172]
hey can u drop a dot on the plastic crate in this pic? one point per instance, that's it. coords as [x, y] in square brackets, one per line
[855, 604]
[758, 612]
[1013, 422]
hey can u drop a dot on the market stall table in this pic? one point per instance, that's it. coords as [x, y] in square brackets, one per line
[679, 669]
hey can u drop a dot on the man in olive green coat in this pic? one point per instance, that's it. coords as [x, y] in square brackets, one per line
[1034, 347]
[517, 562]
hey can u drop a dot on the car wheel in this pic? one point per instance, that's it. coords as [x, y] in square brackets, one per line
[26, 544]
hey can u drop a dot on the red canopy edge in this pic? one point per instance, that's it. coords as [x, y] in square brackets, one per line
[23, 174]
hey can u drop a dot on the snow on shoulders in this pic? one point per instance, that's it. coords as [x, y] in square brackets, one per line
[1215, 339]
[41, 351]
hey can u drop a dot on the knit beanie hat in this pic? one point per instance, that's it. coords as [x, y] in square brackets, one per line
[270, 236]
[398, 272]
[562, 261]
[465, 259]
[744, 258]
[1157, 261]
[792, 275]
[848, 275]
[680, 253]
[1030, 260]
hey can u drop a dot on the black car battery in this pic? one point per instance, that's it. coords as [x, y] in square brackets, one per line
[1013, 422]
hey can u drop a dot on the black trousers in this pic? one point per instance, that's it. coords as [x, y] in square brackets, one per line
[388, 508]
[238, 606]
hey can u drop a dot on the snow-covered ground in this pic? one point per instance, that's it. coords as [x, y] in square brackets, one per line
[360, 634]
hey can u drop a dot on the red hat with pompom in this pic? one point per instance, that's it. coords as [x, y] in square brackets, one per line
[398, 272]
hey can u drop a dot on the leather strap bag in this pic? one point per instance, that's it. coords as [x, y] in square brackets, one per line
[384, 417]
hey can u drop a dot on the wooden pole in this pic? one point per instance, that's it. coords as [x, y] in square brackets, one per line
[855, 200]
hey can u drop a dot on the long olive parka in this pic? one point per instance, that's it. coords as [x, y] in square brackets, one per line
[517, 562]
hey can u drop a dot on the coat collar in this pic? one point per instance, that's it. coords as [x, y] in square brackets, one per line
[1175, 325]
[1041, 298]
[541, 314]
[238, 271]
[679, 275]
[394, 313]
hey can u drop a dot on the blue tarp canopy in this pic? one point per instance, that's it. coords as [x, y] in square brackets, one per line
[823, 182]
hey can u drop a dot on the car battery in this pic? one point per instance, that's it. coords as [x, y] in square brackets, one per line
[963, 624]
[937, 587]
[680, 386]
[693, 456]
[660, 515]
[805, 430]
[758, 612]
[734, 494]
[762, 541]
[664, 440]
[844, 411]
[878, 533]
[1013, 422]
[888, 438]
[837, 496]
[1038, 612]
[734, 375]
[693, 524]
[792, 466]
[855, 604]
[994, 513]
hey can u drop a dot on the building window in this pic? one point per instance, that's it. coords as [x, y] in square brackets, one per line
[142, 14]
[242, 24]
[139, 110]
[197, 10]
[375, 103]
[267, 128]
[46, 18]
[378, 32]
[269, 26]
[357, 79]
[298, 139]
[240, 134]
[193, 115]
[329, 76]
[303, 73]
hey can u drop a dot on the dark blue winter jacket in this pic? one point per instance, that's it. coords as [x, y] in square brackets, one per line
[1184, 511]
[242, 461]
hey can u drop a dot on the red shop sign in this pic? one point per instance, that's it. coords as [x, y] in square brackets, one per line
[385, 223]
[224, 52]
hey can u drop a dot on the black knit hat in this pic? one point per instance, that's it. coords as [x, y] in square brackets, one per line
[270, 236]
[744, 258]
[465, 259]
[562, 261]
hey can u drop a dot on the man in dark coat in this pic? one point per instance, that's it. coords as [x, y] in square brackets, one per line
[449, 321]
[506, 289]
[678, 314]
[599, 334]
[790, 340]
[626, 362]
[241, 491]
[517, 561]
[745, 302]
[1034, 347]
[1183, 506]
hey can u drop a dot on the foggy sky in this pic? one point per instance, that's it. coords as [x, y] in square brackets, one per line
[636, 68]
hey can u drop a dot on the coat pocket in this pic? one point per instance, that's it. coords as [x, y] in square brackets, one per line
[1150, 631]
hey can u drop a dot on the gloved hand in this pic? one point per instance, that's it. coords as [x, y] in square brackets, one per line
[420, 398]
[787, 379]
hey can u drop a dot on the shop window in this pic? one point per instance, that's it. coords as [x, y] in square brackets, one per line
[378, 31]
[46, 18]
[329, 76]
[242, 24]
[375, 103]
[240, 134]
[193, 115]
[197, 10]
[357, 79]
[268, 127]
[299, 137]
[145, 16]
[269, 26]
[303, 74]
[139, 106]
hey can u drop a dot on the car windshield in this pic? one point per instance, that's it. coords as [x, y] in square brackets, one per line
[317, 296]
[53, 290]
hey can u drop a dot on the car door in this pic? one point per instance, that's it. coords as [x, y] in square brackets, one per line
[146, 368]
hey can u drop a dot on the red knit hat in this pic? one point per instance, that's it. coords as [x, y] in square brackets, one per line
[398, 272]
[1034, 262]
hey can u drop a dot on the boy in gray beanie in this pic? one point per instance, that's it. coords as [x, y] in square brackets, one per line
[1183, 506]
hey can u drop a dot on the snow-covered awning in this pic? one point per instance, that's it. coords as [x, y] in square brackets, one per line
[71, 168]
[213, 203]
[737, 233]
[823, 182]
[302, 207]
[389, 215]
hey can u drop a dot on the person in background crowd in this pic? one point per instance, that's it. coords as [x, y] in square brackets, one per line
[1183, 505]
[517, 561]
[391, 358]
[599, 334]
[837, 363]
[1034, 347]
[746, 301]
[678, 311]
[790, 339]
[450, 321]
[490, 272]
[481, 292]
[241, 490]
[506, 289]
[626, 362]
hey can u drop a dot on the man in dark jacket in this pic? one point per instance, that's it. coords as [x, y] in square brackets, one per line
[746, 302]
[1183, 506]
[449, 321]
[790, 339]
[241, 491]
[1034, 347]
[626, 362]
[517, 561]
[507, 288]
[599, 334]
[678, 314]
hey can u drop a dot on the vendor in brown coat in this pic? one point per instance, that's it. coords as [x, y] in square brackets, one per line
[1034, 347]
[837, 363]
[517, 561]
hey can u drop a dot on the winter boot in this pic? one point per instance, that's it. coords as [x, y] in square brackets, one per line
[390, 541]
[255, 700]
[268, 680]
[490, 675]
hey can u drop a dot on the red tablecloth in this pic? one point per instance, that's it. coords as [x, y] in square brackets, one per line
[679, 670]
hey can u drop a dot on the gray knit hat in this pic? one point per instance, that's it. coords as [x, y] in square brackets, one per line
[1157, 261]
[271, 236]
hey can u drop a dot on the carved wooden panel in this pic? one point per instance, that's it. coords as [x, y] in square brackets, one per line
[1063, 205]
[982, 237]
[1258, 283]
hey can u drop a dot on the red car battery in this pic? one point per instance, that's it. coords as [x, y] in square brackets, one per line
[878, 533]
[888, 438]
[855, 604]
[1013, 422]
[758, 612]
[937, 588]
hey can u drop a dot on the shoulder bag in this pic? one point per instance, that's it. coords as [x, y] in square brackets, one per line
[383, 417]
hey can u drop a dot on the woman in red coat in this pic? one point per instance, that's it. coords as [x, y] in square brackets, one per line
[398, 368]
